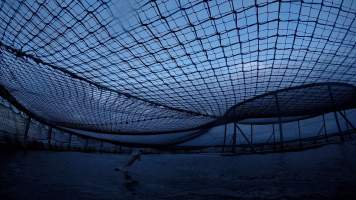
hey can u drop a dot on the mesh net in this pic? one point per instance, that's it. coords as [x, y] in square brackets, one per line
[171, 65]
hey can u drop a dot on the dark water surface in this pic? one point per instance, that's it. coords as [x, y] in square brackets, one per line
[324, 173]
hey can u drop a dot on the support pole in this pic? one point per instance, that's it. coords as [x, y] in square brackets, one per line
[15, 123]
[234, 138]
[338, 126]
[299, 135]
[348, 122]
[279, 122]
[251, 135]
[49, 136]
[274, 137]
[27, 127]
[325, 131]
[225, 127]
[246, 138]
[335, 114]
[343, 114]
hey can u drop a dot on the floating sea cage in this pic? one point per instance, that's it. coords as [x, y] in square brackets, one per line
[177, 76]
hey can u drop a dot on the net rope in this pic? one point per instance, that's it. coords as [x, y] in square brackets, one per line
[169, 65]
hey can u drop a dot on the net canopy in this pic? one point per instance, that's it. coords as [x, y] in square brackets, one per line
[164, 66]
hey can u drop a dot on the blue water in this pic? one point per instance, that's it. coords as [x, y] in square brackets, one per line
[324, 173]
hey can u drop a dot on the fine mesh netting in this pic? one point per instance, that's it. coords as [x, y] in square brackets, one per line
[18, 130]
[151, 67]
